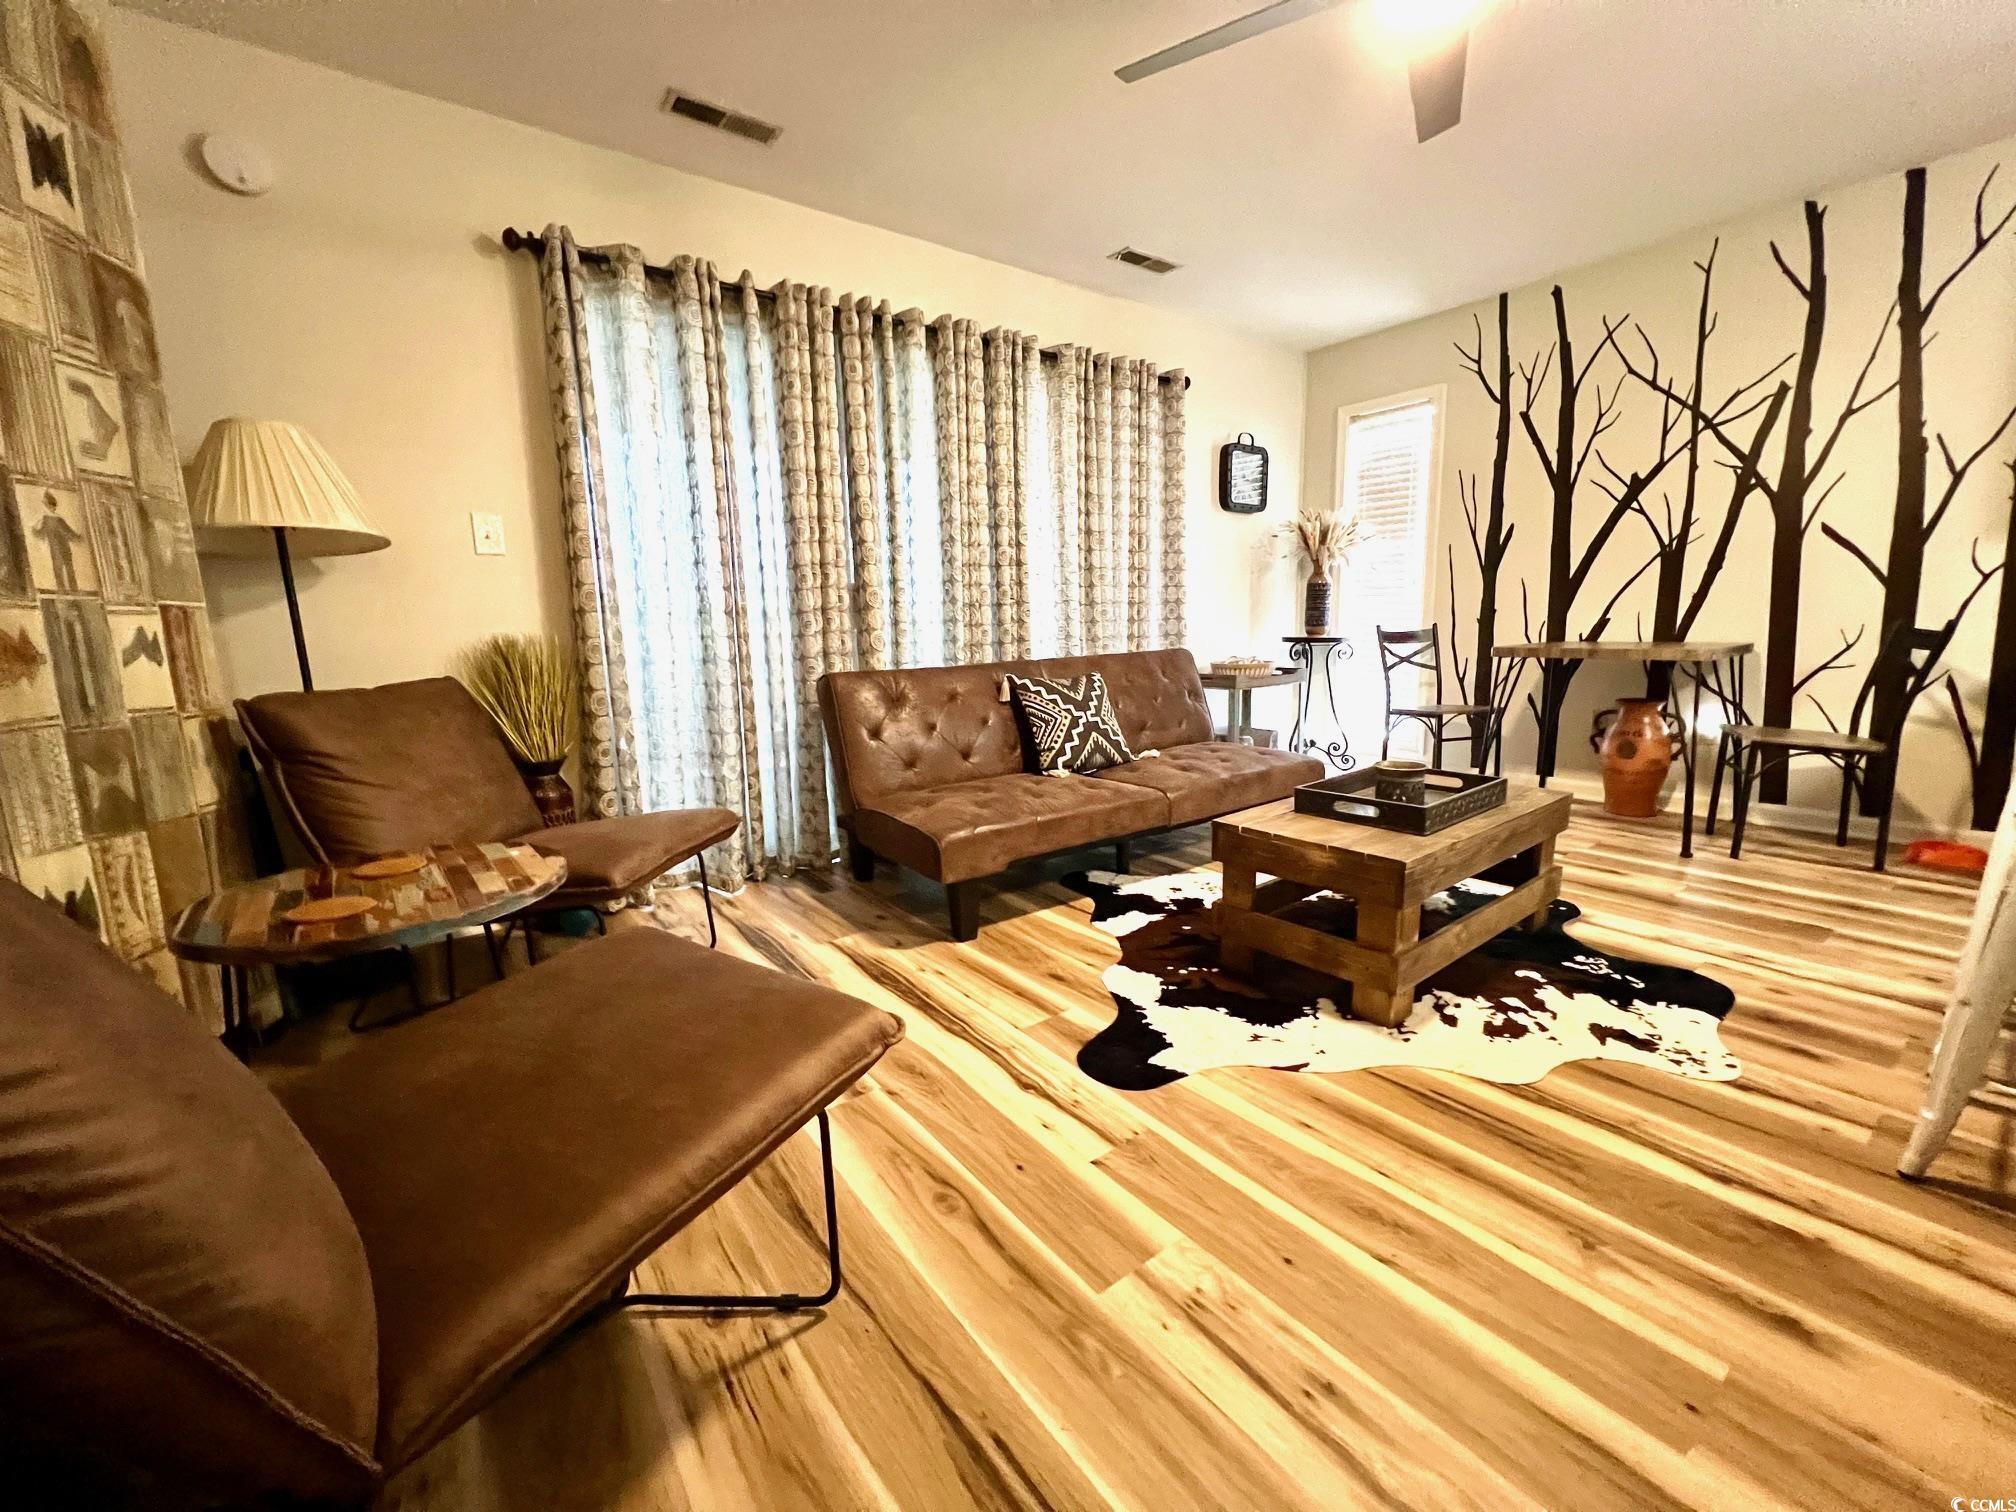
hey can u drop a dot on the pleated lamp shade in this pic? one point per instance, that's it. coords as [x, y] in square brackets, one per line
[253, 477]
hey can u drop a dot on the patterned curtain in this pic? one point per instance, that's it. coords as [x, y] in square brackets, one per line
[816, 526]
[959, 375]
[608, 781]
[1116, 473]
[1172, 622]
[761, 487]
[1069, 378]
[1010, 359]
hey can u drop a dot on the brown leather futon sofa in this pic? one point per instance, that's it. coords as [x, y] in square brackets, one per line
[932, 771]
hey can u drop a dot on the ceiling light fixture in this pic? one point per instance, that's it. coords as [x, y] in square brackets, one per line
[1418, 25]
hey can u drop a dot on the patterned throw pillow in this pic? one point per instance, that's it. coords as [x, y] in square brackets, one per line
[1071, 723]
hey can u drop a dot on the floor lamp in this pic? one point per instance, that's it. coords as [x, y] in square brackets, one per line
[256, 479]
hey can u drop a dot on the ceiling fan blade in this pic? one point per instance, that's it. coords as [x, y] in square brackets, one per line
[1265, 19]
[1435, 79]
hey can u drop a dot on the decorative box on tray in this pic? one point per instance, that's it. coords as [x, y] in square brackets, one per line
[1447, 798]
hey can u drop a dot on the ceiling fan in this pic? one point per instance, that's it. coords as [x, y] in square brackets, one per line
[1438, 51]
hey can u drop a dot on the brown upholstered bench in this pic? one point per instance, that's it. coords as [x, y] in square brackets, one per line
[210, 1293]
[931, 770]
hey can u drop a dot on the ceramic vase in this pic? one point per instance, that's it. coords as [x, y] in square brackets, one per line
[1316, 608]
[1637, 745]
[550, 791]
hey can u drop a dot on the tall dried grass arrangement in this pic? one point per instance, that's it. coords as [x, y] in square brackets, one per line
[1325, 539]
[529, 685]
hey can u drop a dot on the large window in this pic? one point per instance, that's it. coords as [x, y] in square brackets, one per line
[1388, 465]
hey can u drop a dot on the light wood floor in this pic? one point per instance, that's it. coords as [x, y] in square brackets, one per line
[1257, 1289]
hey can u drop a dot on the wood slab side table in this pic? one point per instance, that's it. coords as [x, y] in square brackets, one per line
[1238, 688]
[458, 887]
[1388, 875]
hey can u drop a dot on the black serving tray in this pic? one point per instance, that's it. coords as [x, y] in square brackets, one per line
[1451, 797]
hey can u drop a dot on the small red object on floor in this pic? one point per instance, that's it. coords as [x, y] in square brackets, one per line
[1947, 855]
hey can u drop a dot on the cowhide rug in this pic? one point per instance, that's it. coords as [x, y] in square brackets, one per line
[1511, 1011]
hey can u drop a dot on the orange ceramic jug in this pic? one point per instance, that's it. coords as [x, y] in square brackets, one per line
[1637, 744]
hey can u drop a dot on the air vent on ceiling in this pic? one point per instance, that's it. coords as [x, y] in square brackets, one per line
[1145, 260]
[761, 132]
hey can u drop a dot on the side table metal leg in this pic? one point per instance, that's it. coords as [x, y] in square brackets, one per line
[1687, 761]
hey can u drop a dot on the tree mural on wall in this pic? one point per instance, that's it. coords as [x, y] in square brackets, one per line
[1794, 494]
[1776, 439]
[1564, 460]
[1912, 526]
[1674, 611]
[1484, 679]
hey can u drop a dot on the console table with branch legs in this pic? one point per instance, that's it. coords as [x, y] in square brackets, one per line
[1714, 665]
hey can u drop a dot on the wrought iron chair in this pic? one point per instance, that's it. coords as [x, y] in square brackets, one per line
[1744, 747]
[1421, 650]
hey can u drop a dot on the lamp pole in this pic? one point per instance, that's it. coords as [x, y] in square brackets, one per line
[293, 607]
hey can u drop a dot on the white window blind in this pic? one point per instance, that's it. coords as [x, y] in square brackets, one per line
[1386, 475]
[1387, 457]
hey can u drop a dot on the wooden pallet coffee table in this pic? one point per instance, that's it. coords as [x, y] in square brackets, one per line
[1389, 876]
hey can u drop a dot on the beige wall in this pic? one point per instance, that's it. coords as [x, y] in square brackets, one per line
[365, 297]
[1971, 383]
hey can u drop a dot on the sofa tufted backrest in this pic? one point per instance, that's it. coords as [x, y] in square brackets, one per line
[905, 729]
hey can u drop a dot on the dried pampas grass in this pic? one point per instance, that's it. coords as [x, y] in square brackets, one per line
[529, 685]
[1324, 539]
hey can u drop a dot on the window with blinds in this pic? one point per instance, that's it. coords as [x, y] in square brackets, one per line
[1386, 477]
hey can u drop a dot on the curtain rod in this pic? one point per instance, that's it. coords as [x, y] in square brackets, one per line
[514, 240]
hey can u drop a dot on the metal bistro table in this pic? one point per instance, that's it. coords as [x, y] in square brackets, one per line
[1315, 654]
[457, 887]
[1703, 662]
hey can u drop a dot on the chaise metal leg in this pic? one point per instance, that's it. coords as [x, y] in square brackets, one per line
[1123, 856]
[706, 898]
[784, 1302]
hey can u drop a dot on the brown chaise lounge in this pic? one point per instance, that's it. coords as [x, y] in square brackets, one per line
[932, 773]
[212, 1295]
[363, 772]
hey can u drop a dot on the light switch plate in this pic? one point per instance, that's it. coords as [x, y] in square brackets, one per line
[488, 530]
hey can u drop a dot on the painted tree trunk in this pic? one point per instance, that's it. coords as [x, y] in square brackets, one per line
[1483, 670]
[1788, 508]
[1672, 581]
[1561, 583]
[1905, 563]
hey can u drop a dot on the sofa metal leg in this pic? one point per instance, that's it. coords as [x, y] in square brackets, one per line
[783, 1301]
[1123, 855]
[706, 898]
[963, 900]
[860, 860]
